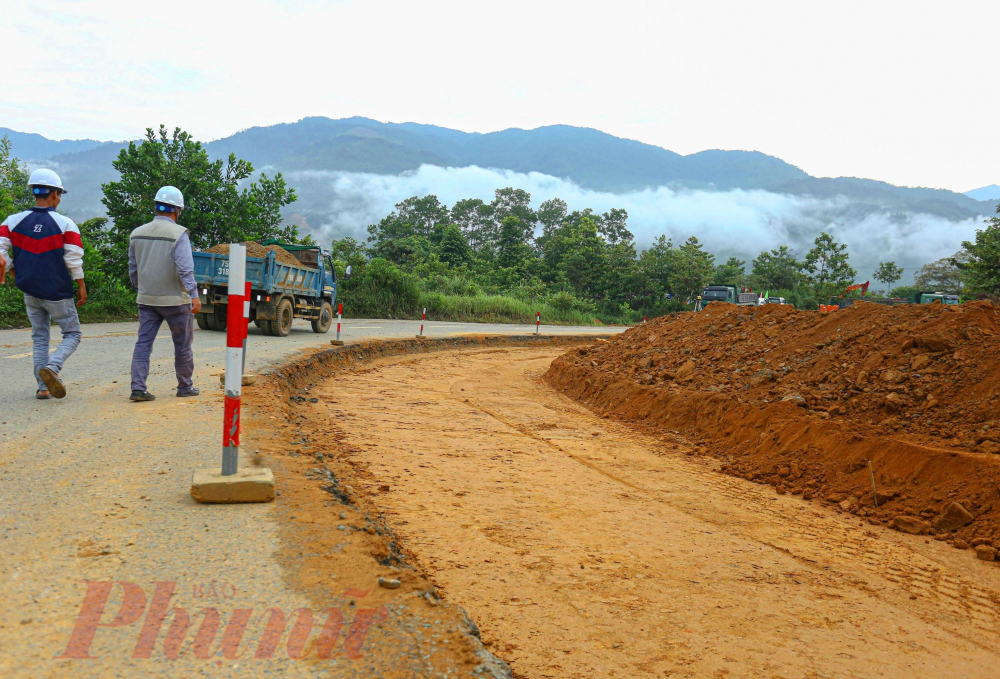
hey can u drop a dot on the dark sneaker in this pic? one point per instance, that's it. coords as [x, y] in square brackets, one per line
[190, 391]
[51, 379]
[141, 396]
[42, 395]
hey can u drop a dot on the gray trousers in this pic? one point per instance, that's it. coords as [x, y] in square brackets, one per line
[42, 313]
[181, 323]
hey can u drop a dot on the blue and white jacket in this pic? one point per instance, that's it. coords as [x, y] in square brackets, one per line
[45, 250]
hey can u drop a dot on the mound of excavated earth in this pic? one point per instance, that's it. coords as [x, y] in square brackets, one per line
[255, 249]
[804, 401]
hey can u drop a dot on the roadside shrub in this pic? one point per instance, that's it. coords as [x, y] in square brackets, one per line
[381, 291]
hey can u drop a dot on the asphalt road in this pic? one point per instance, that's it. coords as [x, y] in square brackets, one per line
[95, 489]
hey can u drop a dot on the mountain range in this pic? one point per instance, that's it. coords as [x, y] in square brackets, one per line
[589, 158]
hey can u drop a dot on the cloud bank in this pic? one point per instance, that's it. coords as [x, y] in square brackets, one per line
[737, 222]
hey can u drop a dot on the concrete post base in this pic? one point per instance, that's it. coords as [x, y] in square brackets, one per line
[337, 343]
[421, 336]
[254, 484]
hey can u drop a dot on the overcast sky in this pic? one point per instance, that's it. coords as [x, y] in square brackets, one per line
[899, 91]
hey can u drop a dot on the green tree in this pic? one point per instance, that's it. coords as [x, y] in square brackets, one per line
[551, 215]
[216, 208]
[475, 219]
[613, 226]
[422, 214]
[348, 252]
[513, 251]
[776, 270]
[733, 272]
[510, 202]
[452, 247]
[584, 265]
[692, 270]
[982, 270]
[888, 273]
[944, 275]
[95, 235]
[656, 266]
[827, 266]
[907, 292]
[14, 194]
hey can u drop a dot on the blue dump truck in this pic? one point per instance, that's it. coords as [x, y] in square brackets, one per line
[279, 291]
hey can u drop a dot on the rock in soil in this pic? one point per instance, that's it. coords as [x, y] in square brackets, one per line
[986, 553]
[952, 517]
[910, 524]
[885, 495]
[389, 584]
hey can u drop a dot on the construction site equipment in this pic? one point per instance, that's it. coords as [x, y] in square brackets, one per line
[725, 293]
[931, 297]
[841, 302]
[279, 291]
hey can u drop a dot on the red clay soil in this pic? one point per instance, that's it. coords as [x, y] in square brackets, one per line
[803, 401]
[255, 249]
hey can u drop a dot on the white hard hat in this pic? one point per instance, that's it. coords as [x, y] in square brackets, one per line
[46, 178]
[170, 195]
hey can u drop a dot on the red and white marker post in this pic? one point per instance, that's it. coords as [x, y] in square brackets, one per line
[340, 310]
[238, 302]
[538, 321]
[246, 323]
[423, 318]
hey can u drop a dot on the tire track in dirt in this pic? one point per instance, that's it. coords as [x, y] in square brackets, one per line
[977, 608]
[585, 548]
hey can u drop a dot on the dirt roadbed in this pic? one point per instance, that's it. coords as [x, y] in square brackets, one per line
[585, 548]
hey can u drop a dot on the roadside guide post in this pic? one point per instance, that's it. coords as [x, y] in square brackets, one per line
[538, 321]
[423, 317]
[255, 484]
[337, 342]
[247, 379]
[245, 325]
[235, 341]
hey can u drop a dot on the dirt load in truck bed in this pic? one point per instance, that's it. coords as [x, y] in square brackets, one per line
[255, 249]
[803, 401]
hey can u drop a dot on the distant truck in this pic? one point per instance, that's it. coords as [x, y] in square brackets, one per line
[279, 292]
[725, 293]
[930, 297]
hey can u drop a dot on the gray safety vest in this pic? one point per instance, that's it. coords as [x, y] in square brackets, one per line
[159, 282]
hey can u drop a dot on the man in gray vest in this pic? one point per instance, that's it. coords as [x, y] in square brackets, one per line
[161, 266]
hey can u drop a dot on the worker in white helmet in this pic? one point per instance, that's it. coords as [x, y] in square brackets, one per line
[43, 250]
[161, 266]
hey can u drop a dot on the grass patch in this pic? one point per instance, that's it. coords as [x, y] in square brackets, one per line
[497, 309]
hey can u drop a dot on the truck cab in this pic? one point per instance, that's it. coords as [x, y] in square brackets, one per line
[931, 297]
[718, 293]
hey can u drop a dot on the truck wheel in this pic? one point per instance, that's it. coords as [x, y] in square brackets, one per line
[325, 320]
[202, 321]
[282, 323]
[217, 320]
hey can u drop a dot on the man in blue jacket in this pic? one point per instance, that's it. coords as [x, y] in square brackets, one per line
[44, 250]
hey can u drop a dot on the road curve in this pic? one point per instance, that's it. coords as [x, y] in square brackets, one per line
[95, 492]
